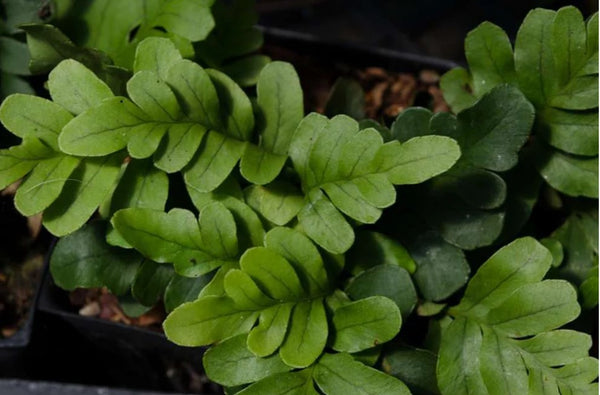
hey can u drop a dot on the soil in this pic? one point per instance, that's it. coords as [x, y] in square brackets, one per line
[23, 246]
[100, 303]
[387, 93]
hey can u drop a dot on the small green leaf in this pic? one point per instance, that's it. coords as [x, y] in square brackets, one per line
[240, 287]
[32, 116]
[429, 309]
[476, 187]
[230, 363]
[511, 378]
[307, 335]
[534, 61]
[489, 53]
[290, 383]
[154, 97]
[142, 185]
[104, 129]
[267, 337]
[75, 87]
[156, 54]
[572, 132]
[579, 376]
[589, 289]
[229, 193]
[278, 279]
[390, 281]
[570, 174]
[15, 13]
[17, 161]
[11, 84]
[85, 190]
[246, 71]
[15, 56]
[349, 200]
[555, 248]
[535, 308]
[414, 367]
[281, 104]
[362, 145]
[581, 93]
[459, 222]
[236, 108]
[568, 43]
[524, 261]
[383, 130]
[365, 323]
[372, 249]
[260, 166]
[419, 159]
[491, 132]
[325, 225]
[214, 161]
[278, 202]
[206, 321]
[84, 260]
[279, 110]
[374, 189]
[302, 254]
[48, 46]
[558, 347]
[108, 26]
[218, 230]
[216, 285]
[338, 374]
[307, 132]
[116, 28]
[194, 247]
[346, 97]
[327, 147]
[196, 92]
[183, 289]
[44, 184]
[190, 19]
[441, 267]
[412, 122]
[457, 90]
[131, 307]
[457, 371]
[150, 282]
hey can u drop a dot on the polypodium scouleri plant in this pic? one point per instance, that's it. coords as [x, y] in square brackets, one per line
[555, 64]
[248, 219]
[502, 336]
[181, 118]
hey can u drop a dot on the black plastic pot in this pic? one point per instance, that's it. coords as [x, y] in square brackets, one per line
[24, 387]
[99, 352]
[354, 54]
[15, 350]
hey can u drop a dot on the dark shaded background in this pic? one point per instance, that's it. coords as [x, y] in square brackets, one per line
[430, 27]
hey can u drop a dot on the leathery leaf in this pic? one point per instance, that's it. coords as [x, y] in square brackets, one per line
[194, 246]
[504, 333]
[351, 172]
